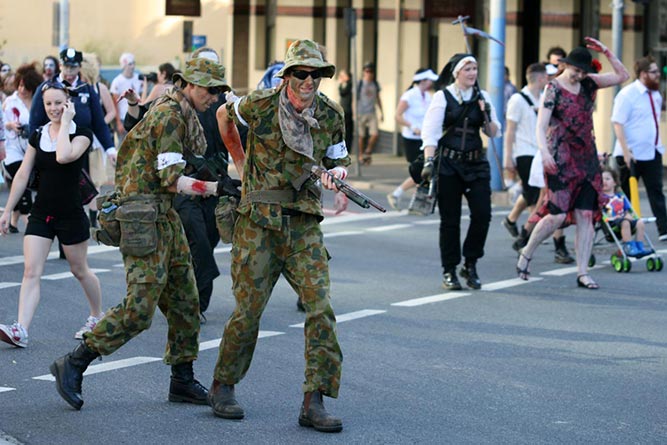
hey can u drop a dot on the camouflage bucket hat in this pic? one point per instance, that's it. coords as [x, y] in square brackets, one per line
[306, 53]
[203, 72]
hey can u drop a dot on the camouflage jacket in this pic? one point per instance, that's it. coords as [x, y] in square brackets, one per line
[150, 158]
[271, 165]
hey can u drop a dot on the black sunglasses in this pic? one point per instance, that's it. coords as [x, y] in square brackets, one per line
[303, 75]
[214, 90]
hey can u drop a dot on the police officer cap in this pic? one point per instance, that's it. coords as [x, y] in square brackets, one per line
[70, 56]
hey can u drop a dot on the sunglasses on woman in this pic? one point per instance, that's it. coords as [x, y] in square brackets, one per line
[55, 85]
[303, 75]
[214, 90]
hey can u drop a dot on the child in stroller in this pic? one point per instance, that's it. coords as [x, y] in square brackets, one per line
[618, 218]
[619, 215]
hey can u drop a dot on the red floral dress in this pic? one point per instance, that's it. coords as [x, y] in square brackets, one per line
[571, 142]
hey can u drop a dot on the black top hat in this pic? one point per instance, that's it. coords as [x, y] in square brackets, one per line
[581, 58]
[70, 56]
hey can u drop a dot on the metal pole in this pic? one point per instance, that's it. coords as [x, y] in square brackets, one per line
[64, 24]
[399, 54]
[354, 72]
[496, 87]
[617, 42]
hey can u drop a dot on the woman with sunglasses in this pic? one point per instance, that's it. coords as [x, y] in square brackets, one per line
[56, 152]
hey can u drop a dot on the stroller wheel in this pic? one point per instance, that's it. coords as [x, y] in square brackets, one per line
[650, 264]
[591, 260]
[627, 265]
[617, 263]
[658, 264]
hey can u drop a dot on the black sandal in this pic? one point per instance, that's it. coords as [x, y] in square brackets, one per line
[523, 273]
[590, 285]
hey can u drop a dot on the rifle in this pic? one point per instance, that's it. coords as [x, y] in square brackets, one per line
[207, 169]
[355, 195]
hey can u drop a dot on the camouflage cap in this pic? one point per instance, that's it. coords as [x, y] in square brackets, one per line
[203, 72]
[306, 53]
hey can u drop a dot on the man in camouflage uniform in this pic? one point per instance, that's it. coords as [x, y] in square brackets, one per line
[149, 171]
[277, 231]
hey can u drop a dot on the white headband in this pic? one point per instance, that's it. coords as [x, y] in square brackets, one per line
[461, 64]
[428, 74]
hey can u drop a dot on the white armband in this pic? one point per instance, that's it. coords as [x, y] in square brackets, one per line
[236, 110]
[336, 151]
[165, 160]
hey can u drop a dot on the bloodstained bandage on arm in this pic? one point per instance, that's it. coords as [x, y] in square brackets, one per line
[194, 187]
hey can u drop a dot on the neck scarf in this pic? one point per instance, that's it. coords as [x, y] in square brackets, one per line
[195, 141]
[295, 126]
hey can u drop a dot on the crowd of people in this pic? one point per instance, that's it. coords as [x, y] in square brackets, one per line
[175, 142]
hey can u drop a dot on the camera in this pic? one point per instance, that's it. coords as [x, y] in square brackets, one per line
[150, 77]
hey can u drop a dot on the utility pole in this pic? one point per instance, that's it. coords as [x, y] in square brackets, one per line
[496, 87]
[64, 24]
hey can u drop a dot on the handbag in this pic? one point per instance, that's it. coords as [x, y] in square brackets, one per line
[86, 187]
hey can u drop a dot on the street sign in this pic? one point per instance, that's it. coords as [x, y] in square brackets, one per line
[198, 41]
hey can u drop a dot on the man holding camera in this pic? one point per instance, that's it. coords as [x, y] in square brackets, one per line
[126, 80]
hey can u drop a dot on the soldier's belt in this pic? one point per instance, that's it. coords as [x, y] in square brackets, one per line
[163, 201]
[274, 196]
[458, 155]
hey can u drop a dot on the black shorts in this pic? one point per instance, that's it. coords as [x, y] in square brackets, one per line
[412, 148]
[530, 193]
[616, 225]
[71, 230]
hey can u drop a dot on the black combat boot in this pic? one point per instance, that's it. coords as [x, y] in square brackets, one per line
[222, 400]
[450, 281]
[521, 241]
[184, 387]
[68, 371]
[469, 272]
[313, 414]
[562, 256]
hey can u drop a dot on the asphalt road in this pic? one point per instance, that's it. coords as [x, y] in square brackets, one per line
[517, 362]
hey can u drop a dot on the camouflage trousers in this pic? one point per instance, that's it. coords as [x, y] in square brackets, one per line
[164, 279]
[259, 257]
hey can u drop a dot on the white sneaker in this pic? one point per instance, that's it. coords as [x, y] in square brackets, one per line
[91, 322]
[15, 335]
[393, 201]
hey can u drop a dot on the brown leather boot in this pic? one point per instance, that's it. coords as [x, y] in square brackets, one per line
[222, 400]
[313, 414]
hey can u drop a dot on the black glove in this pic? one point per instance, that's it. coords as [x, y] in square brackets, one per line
[230, 187]
[487, 110]
[427, 170]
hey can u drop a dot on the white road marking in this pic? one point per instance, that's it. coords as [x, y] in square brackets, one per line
[389, 227]
[109, 366]
[348, 233]
[63, 275]
[428, 222]
[432, 299]
[211, 344]
[8, 284]
[508, 283]
[349, 316]
[6, 389]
